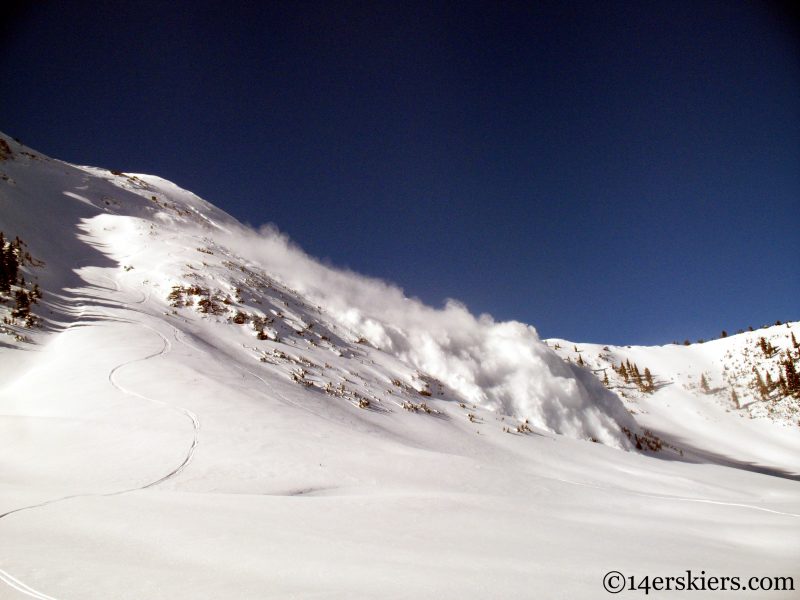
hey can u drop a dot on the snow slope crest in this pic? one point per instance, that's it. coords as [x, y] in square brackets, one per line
[745, 373]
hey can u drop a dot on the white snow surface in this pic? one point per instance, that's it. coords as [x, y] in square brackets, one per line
[364, 445]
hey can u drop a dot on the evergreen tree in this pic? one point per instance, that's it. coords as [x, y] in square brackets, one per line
[767, 348]
[605, 378]
[580, 360]
[760, 386]
[9, 266]
[648, 377]
[623, 372]
[794, 342]
[724, 333]
[704, 383]
[735, 398]
[23, 305]
[3, 275]
[792, 378]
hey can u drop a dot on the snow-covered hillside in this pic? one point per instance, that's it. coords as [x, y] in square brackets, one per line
[193, 409]
[709, 396]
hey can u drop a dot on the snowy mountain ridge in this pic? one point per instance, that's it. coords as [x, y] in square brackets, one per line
[753, 373]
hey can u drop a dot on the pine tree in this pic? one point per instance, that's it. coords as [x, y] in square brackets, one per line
[623, 372]
[767, 348]
[724, 333]
[792, 378]
[4, 284]
[760, 386]
[23, 305]
[704, 383]
[794, 342]
[9, 266]
[735, 398]
[580, 360]
[605, 378]
[12, 262]
[637, 377]
[648, 377]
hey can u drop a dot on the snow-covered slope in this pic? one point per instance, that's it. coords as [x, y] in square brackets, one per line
[204, 411]
[706, 397]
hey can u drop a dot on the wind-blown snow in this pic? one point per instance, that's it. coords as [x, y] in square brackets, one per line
[501, 366]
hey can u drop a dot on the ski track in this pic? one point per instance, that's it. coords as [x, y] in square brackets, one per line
[673, 498]
[270, 388]
[166, 347]
[18, 585]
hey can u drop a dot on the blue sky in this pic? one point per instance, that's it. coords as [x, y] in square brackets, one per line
[626, 173]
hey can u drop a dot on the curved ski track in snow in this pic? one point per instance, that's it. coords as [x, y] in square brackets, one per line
[271, 390]
[166, 347]
[16, 584]
[675, 498]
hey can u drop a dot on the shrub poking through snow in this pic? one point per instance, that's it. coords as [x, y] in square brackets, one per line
[299, 376]
[5, 150]
[240, 318]
[524, 427]
[647, 440]
[208, 302]
[421, 407]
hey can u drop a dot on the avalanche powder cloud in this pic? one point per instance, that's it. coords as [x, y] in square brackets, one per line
[502, 366]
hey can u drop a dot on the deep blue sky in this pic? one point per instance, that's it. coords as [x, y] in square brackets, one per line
[626, 173]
